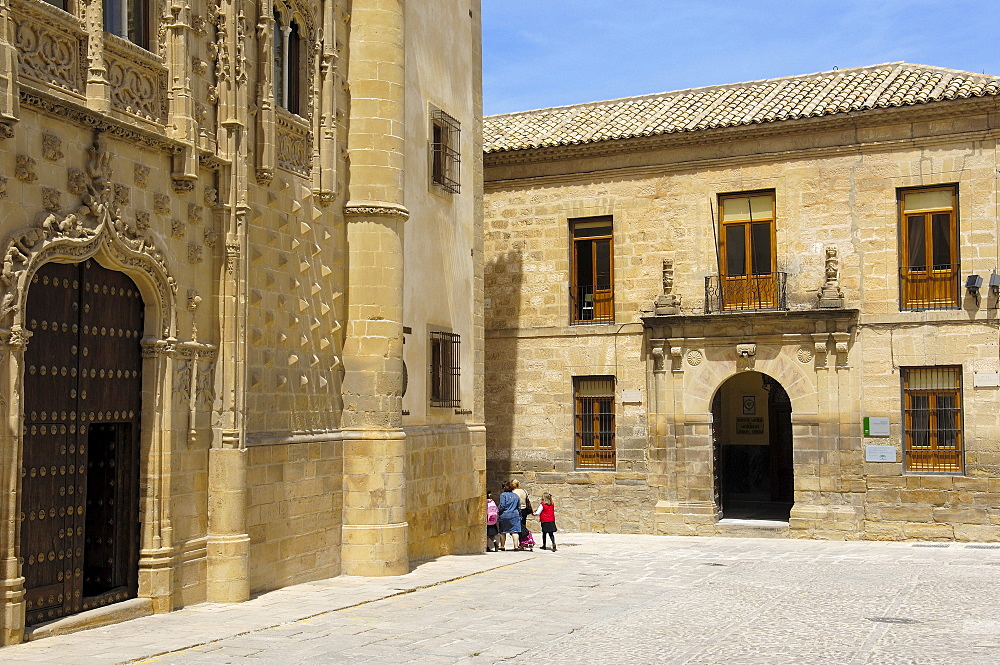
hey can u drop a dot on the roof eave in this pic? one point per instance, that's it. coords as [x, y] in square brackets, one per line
[860, 118]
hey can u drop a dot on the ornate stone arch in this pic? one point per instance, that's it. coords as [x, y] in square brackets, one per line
[95, 229]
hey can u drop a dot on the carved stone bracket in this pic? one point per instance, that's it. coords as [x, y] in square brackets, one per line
[841, 340]
[746, 355]
[676, 346]
[657, 353]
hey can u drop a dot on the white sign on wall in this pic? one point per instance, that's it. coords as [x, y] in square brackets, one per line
[986, 380]
[876, 426]
[880, 453]
[632, 397]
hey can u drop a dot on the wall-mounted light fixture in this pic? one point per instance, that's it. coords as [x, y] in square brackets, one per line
[995, 284]
[972, 284]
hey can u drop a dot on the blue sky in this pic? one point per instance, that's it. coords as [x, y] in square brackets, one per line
[539, 53]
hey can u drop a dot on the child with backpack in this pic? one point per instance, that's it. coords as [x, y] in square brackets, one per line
[546, 512]
[492, 516]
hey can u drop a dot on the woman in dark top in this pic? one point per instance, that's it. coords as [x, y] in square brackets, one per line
[510, 517]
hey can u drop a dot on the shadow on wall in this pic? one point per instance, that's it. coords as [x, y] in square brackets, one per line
[503, 280]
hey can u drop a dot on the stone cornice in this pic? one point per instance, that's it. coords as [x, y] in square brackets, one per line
[376, 209]
[752, 323]
[106, 125]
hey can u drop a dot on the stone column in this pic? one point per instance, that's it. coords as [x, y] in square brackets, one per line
[228, 543]
[12, 345]
[374, 527]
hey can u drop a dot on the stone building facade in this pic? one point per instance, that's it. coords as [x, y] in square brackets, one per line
[218, 222]
[750, 301]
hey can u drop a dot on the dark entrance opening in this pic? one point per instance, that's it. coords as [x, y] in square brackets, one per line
[752, 432]
[79, 546]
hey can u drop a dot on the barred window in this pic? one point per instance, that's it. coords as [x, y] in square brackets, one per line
[445, 156]
[594, 413]
[445, 369]
[932, 419]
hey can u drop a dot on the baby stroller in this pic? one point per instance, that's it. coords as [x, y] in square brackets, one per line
[525, 540]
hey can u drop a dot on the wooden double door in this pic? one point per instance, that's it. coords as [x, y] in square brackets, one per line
[79, 544]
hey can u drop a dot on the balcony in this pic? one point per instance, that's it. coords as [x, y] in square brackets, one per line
[746, 293]
[592, 304]
[929, 287]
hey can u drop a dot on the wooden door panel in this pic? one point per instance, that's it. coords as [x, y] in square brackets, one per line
[110, 386]
[51, 530]
[78, 373]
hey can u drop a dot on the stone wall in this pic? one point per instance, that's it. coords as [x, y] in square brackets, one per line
[445, 505]
[294, 513]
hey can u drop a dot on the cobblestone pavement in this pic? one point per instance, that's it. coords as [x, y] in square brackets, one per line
[600, 599]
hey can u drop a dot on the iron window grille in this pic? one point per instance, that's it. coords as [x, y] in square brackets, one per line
[445, 156]
[764, 292]
[594, 421]
[445, 369]
[932, 419]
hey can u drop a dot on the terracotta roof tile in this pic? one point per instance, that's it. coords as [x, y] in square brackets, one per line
[757, 102]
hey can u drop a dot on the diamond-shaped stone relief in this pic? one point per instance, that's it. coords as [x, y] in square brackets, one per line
[177, 228]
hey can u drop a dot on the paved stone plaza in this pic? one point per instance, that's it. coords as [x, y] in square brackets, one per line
[599, 599]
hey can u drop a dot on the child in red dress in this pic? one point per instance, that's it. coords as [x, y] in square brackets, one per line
[546, 512]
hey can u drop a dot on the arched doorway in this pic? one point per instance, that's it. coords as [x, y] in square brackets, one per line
[79, 533]
[752, 438]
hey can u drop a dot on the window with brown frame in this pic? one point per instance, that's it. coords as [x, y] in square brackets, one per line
[749, 279]
[445, 369]
[445, 156]
[592, 293]
[594, 416]
[932, 419]
[929, 272]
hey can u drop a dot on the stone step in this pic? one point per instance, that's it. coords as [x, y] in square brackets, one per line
[738, 528]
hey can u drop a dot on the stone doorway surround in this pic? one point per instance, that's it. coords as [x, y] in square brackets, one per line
[752, 456]
[98, 234]
[689, 356]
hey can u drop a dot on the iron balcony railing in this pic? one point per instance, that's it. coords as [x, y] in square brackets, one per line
[745, 293]
[592, 304]
[931, 287]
